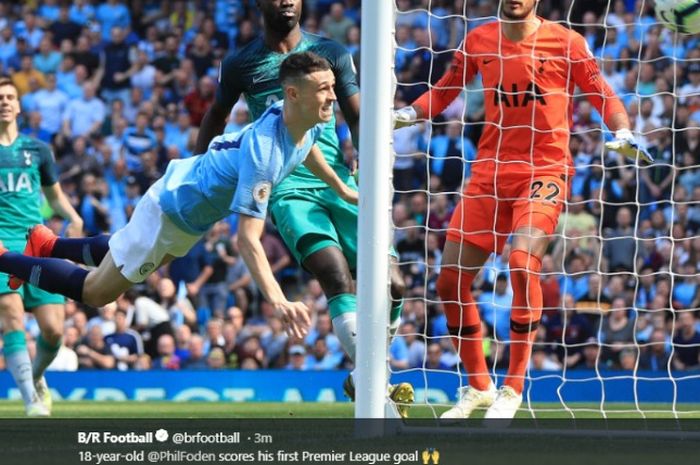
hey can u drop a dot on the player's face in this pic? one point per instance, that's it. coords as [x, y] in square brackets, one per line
[517, 9]
[9, 104]
[280, 15]
[316, 95]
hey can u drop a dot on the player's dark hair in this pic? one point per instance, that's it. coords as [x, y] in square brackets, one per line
[298, 65]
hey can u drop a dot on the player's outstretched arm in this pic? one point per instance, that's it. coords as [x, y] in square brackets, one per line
[586, 74]
[320, 168]
[295, 315]
[59, 203]
[433, 102]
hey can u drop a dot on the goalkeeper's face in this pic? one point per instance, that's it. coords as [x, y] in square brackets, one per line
[518, 9]
[280, 15]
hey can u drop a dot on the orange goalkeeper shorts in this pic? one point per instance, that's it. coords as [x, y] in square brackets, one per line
[490, 211]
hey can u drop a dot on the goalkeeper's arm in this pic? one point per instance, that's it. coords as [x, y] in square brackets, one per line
[433, 102]
[586, 74]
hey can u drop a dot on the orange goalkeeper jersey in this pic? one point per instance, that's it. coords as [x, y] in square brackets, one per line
[528, 89]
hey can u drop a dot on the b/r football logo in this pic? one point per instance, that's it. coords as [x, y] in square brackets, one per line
[261, 191]
[147, 268]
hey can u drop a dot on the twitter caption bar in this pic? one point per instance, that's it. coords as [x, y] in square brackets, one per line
[250, 447]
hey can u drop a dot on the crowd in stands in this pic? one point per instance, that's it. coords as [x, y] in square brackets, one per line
[120, 88]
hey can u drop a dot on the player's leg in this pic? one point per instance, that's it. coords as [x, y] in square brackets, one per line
[535, 215]
[50, 318]
[321, 232]
[57, 276]
[330, 267]
[86, 250]
[398, 291]
[460, 264]
[49, 312]
[472, 236]
[135, 251]
[528, 248]
[16, 354]
[344, 217]
[307, 230]
[42, 242]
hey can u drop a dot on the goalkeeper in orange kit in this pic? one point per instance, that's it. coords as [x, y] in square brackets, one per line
[520, 179]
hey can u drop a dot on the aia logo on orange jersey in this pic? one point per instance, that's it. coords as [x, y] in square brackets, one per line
[518, 98]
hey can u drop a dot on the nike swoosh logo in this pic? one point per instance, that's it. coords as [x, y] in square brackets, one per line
[486, 62]
[261, 78]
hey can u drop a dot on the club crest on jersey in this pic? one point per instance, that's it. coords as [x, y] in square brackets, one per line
[261, 191]
[27, 158]
[146, 268]
[542, 61]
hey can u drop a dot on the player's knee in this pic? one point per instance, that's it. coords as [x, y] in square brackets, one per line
[447, 284]
[52, 335]
[11, 320]
[523, 263]
[335, 281]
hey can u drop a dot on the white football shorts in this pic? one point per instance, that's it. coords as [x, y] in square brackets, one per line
[139, 247]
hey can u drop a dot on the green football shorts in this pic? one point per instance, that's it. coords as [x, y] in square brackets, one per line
[31, 296]
[312, 219]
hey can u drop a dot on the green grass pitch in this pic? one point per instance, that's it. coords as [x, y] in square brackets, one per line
[91, 409]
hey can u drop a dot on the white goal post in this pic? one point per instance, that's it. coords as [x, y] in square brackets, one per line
[374, 234]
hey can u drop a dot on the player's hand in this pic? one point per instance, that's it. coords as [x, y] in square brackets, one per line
[625, 144]
[405, 116]
[295, 316]
[75, 228]
[350, 196]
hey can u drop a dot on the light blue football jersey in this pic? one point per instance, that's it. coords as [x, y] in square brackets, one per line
[235, 175]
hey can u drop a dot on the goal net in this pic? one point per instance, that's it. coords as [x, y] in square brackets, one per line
[619, 333]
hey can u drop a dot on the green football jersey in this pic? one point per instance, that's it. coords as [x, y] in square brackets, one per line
[25, 166]
[254, 72]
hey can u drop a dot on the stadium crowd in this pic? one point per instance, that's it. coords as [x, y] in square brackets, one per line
[119, 89]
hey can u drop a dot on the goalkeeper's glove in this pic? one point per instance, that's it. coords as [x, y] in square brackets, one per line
[625, 144]
[405, 116]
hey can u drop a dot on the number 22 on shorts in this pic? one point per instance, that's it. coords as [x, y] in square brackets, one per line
[545, 190]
